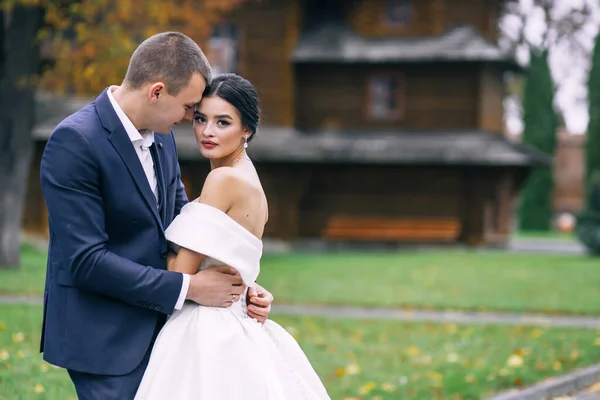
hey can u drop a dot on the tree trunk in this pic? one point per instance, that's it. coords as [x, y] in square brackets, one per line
[20, 63]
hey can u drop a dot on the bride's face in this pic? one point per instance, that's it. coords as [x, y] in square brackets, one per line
[218, 128]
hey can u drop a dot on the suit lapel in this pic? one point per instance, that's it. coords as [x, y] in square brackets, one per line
[122, 144]
[159, 163]
[124, 147]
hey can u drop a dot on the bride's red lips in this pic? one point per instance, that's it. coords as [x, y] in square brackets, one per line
[209, 144]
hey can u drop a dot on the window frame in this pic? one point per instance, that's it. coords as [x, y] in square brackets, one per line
[398, 113]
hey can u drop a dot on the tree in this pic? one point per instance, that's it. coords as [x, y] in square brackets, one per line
[592, 147]
[93, 39]
[588, 222]
[563, 29]
[19, 61]
[540, 132]
[90, 42]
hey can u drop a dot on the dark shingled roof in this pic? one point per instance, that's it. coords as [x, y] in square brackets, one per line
[279, 144]
[273, 144]
[335, 42]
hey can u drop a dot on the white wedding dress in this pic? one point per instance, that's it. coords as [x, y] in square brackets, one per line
[210, 353]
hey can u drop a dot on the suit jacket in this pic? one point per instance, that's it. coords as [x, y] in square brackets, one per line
[107, 287]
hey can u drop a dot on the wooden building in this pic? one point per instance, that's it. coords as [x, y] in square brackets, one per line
[382, 120]
[569, 173]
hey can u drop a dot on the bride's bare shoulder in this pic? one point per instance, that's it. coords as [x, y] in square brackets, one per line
[222, 187]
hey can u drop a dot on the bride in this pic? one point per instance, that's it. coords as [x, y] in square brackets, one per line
[213, 353]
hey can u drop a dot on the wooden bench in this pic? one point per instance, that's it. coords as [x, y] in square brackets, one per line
[393, 229]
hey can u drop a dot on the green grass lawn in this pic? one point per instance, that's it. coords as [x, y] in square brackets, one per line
[30, 278]
[473, 280]
[368, 360]
[444, 279]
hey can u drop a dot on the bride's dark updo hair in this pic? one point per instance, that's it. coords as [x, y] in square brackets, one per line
[241, 94]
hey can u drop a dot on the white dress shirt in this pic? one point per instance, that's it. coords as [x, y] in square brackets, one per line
[142, 140]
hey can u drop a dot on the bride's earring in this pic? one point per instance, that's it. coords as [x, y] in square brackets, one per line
[245, 142]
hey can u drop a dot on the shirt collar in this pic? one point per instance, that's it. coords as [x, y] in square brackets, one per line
[147, 136]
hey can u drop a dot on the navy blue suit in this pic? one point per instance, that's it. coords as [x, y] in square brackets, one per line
[107, 288]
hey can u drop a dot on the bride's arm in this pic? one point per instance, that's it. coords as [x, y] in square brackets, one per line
[217, 192]
[186, 261]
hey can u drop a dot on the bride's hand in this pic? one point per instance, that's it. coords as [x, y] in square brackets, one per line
[217, 286]
[259, 302]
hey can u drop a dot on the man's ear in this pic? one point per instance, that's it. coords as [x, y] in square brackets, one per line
[156, 91]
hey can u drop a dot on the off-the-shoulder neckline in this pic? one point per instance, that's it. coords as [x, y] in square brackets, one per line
[215, 209]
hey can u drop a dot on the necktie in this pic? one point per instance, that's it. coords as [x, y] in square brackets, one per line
[148, 165]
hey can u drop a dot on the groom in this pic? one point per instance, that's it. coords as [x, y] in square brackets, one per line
[112, 186]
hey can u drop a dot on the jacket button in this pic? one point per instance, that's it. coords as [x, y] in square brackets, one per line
[163, 255]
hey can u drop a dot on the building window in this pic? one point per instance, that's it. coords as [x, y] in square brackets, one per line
[223, 49]
[398, 13]
[386, 96]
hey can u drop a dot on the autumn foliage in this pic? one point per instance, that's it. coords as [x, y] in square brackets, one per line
[91, 40]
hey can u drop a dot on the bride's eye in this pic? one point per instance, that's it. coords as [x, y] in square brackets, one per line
[223, 123]
[199, 119]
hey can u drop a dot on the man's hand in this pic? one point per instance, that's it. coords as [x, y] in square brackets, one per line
[217, 286]
[259, 303]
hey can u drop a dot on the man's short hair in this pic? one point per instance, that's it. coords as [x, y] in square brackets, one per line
[169, 57]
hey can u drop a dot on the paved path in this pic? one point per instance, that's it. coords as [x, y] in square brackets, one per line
[459, 317]
[543, 245]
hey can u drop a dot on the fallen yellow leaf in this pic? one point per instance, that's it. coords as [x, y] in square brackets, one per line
[39, 388]
[514, 361]
[357, 337]
[452, 358]
[388, 387]
[557, 365]
[352, 369]
[522, 352]
[366, 388]
[18, 337]
[413, 351]
[536, 333]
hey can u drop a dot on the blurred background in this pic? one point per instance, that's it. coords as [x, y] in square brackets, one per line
[427, 155]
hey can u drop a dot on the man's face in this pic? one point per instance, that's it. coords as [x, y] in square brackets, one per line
[170, 110]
